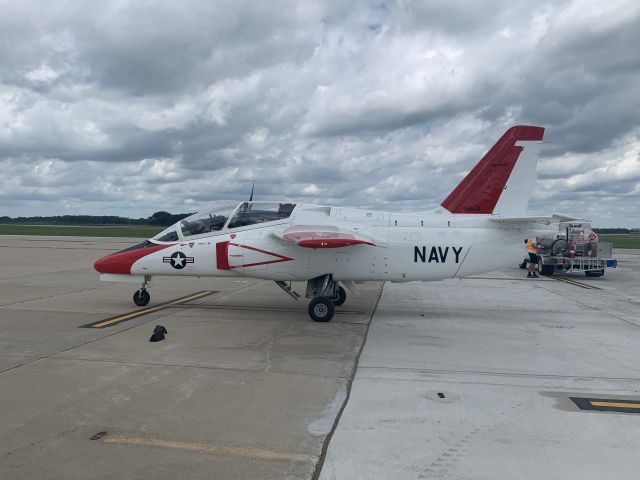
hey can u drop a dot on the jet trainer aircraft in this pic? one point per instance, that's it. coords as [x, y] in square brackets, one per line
[478, 228]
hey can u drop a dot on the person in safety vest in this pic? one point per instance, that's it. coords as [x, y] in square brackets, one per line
[532, 249]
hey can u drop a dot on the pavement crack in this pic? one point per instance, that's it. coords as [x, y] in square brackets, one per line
[49, 296]
[80, 345]
[268, 349]
[600, 310]
[327, 440]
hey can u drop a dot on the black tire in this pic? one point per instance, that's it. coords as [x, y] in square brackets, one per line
[523, 265]
[546, 270]
[594, 273]
[141, 297]
[321, 309]
[342, 297]
[559, 248]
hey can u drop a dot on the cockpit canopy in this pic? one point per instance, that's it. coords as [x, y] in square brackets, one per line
[205, 222]
[226, 217]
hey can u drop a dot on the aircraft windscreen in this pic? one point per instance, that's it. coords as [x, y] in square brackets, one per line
[209, 221]
[170, 236]
[251, 213]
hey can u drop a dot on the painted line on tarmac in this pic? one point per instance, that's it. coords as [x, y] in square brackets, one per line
[262, 309]
[607, 405]
[110, 322]
[222, 450]
[575, 283]
[615, 404]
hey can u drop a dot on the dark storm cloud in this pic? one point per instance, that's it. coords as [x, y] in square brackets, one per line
[157, 105]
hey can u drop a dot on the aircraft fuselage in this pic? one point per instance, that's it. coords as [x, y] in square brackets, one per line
[406, 247]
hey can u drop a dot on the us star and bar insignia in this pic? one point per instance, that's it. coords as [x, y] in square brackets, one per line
[178, 260]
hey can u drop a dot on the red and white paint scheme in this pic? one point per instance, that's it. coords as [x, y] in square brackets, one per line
[479, 227]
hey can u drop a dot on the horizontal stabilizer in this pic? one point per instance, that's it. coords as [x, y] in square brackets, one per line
[322, 236]
[514, 220]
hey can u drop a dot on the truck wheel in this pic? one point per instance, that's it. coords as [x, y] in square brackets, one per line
[546, 270]
[523, 265]
[559, 248]
[594, 273]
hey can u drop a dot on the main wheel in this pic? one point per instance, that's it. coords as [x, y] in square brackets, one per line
[321, 309]
[141, 297]
[341, 298]
[523, 265]
[546, 270]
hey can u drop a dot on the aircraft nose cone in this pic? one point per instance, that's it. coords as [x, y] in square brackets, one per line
[114, 263]
[121, 262]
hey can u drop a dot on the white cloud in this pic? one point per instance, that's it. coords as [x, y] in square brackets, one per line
[161, 106]
[44, 73]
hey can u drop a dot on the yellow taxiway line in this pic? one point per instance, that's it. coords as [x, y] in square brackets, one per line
[607, 404]
[614, 404]
[575, 283]
[146, 311]
[243, 452]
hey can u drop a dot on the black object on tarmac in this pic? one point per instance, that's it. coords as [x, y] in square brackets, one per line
[158, 334]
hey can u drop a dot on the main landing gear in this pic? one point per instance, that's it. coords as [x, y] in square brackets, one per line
[142, 297]
[321, 309]
[325, 295]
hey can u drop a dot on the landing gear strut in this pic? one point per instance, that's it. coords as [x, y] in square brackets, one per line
[142, 297]
[325, 294]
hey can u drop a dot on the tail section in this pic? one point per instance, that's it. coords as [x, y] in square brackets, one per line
[501, 183]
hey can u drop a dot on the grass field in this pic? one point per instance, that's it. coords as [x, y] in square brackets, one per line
[621, 240]
[80, 230]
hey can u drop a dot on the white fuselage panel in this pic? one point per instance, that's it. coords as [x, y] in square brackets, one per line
[421, 246]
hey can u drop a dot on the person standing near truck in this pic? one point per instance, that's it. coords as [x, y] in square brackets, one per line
[532, 250]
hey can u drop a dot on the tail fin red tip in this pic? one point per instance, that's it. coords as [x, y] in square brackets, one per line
[480, 190]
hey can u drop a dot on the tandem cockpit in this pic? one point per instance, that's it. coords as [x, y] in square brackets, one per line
[225, 218]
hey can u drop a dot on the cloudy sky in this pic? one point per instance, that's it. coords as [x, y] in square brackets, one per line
[130, 107]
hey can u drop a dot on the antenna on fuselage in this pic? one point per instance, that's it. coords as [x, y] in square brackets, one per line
[252, 185]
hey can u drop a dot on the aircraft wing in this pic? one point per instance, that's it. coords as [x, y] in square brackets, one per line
[555, 218]
[322, 236]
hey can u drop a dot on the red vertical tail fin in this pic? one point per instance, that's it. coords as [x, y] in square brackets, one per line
[502, 177]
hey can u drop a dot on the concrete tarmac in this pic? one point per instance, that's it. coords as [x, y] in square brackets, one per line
[472, 379]
[460, 379]
[244, 386]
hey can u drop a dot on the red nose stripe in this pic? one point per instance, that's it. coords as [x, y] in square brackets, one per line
[120, 262]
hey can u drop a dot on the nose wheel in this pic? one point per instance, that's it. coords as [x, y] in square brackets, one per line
[141, 297]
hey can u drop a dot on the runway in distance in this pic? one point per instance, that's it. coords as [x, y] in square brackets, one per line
[478, 228]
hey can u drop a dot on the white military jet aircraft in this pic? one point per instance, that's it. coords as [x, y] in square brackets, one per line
[478, 228]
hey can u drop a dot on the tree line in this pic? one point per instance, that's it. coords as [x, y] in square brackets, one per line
[616, 230]
[161, 219]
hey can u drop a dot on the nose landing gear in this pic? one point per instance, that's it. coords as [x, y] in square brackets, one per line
[141, 297]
